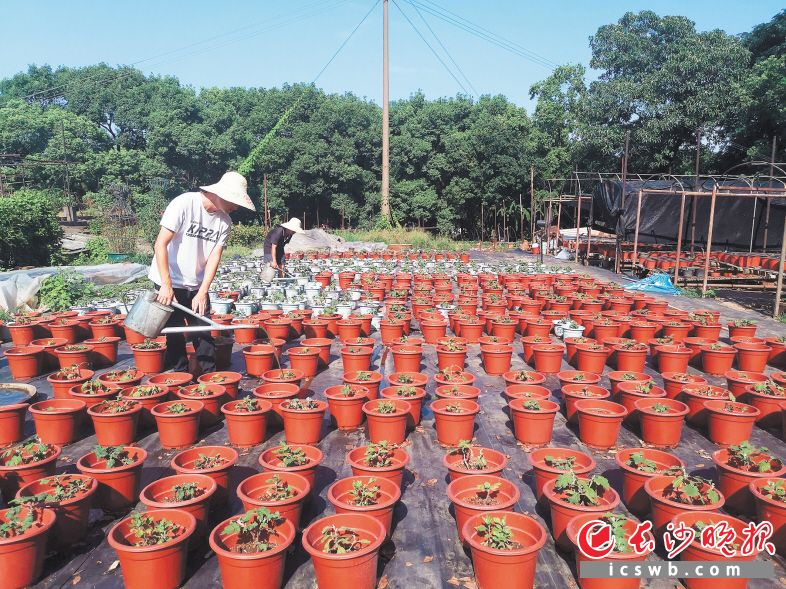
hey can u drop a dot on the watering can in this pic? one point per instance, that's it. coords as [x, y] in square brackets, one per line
[148, 317]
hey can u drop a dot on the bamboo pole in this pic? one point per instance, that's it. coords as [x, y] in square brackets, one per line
[779, 287]
[767, 214]
[709, 244]
[679, 240]
[696, 189]
[753, 223]
[638, 221]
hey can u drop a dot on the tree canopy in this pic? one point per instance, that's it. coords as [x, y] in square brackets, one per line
[657, 77]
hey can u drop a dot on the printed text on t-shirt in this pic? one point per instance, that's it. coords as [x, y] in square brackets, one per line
[196, 230]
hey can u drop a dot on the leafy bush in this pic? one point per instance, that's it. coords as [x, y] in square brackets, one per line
[420, 239]
[65, 289]
[149, 208]
[29, 228]
[246, 235]
[96, 252]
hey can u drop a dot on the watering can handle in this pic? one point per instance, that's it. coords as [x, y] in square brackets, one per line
[207, 320]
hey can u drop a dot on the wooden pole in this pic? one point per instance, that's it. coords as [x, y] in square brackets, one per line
[589, 228]
[385, 192]
[521, 219]
[695, 189]
[753, 224]
[767, 213]
[779, 287]
[548, 228]
[618, 245]
[709, 243]
[266, 213]
[559, 215]
[679, 240]
[578, 223]
[532, 200]
[638, 219]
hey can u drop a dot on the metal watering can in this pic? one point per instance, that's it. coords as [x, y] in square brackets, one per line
[148, 317]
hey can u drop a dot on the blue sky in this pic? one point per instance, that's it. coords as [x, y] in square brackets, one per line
[271, 42]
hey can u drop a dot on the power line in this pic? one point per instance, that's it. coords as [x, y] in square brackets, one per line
[277, 22]
[445, 49]
[432, 50]
[478, 31]
[340, 47]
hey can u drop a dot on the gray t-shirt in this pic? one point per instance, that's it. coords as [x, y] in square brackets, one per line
[197, 234]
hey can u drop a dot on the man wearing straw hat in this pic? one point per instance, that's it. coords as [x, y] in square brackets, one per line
[275, 241]
[194, 230]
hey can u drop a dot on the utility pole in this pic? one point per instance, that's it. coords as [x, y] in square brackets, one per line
[266, 214]
[695, 189]
[68, 209]
[385, 196]
[532, 201]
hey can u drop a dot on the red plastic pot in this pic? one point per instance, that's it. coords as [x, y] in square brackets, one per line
[515, 568]
[673, 382]
[12, 423]
[696, 552]
[390, 331]
[149, 361]
[259, 359]
[562, 511]
[548, 357]
[322, 344]
[212, 396]
[73, 514]
[447, 358]
[339, 495]
[415, 396]
[619, 558]
[22, 334]
[726, 427]
[104, 351]
[117, 486]
[496, 358]
[454, 426]
[533, 427]
[391, 427]
[252, 494]
[25, 362]
[673, 358]
[632, 392]
[414, 379]
[357, 568]
[304, 359]
[662, 429]
[752, 357]
[61, 387]
[463, 494]
[273, 464]
[407, 358]
[771, 510]
[264, 570]
[115, 429]
[738, 381]
[185, 462]
[394, 471]
[367, 379]
[599, 422]
[177, 430]
[246, 429]
[592, 357]
[229, 380]
[160, 495]
[57, 420]
[633, 479]
[544, 472]
[432, 330]
[664, 509]
[346, 409]
[695, 395]
[717, 362]
[356, 358]
[303, 426]
[576, 392]
[734, 483]
[162, 565]
[631, 359]
[22, 556]
[495, 462]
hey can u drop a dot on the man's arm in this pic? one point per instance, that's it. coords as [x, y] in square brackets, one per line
[165, 293]
[274, 261]
[199, 304]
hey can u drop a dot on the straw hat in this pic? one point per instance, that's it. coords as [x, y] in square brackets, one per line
[233, 188]
[293, 224]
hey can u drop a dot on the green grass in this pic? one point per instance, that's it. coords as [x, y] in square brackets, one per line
[418, 238]
[695, 293]
[239, 251]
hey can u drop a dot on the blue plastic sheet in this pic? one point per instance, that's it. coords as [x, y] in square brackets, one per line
[659, 283]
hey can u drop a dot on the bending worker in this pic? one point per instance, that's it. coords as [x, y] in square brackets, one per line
[194, 230]
[275, 241]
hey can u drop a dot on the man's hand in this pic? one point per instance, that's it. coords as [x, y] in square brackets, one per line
[199, 303]
[165, 295]
[275, 265]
